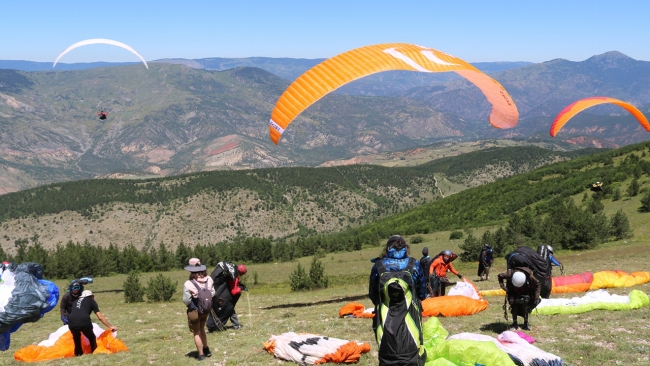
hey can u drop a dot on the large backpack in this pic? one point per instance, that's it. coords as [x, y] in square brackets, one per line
[527, 257]
[398, 317]
[204, 299]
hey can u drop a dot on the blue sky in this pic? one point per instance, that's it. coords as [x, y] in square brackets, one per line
[476, 31]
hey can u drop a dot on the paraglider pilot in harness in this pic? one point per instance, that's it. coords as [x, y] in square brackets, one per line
[75, 289]
[522, 294]
[438, 272]
[102, 114]
[485, 262]
[396, 287]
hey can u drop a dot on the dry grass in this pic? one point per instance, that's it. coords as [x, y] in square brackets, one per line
[158, 334]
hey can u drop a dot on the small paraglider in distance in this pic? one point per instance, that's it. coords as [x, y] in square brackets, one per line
[102, 114]
[597, 187]
[101, 41]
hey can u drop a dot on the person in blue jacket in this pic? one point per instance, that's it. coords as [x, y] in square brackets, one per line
[396, 287]
[554, 261]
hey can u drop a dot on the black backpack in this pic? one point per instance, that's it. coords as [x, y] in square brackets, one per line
[204, 299]
[398, 317]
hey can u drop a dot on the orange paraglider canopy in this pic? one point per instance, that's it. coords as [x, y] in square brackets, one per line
[577, 107]
[359, 62]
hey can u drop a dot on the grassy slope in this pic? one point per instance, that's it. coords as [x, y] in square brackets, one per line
[157, 333]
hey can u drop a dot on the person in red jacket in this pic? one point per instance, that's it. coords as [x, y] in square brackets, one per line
[438, 272]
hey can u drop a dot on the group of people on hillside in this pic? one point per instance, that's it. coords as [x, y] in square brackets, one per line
[398, 283]
[211, 300]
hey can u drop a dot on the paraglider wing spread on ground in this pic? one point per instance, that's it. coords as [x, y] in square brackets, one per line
[339, 70]
[60, 345]
[587, 281]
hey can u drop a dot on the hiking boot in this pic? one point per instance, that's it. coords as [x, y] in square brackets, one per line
[525, 326]
[236, 327]
[201, 358]
[206, 351]
[513, 327]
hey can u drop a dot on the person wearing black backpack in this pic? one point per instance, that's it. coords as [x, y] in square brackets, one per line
[197, 296]
[395, 279]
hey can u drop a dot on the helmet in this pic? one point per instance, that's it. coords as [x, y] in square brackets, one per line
[425, 251]
[241, 269]
[518, 279]
[76, 285]
[550, 249]
[447, 252]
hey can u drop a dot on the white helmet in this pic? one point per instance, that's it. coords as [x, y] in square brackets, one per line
[550, 249]
[518, 279]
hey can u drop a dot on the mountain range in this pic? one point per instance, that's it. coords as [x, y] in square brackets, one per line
[183, 115]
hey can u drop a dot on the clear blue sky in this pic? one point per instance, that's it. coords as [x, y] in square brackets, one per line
[474, 30]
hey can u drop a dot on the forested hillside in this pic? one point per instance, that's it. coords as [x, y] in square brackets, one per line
[281, 203]
[217, 206]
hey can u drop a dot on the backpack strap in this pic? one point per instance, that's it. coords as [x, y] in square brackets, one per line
[196, 284]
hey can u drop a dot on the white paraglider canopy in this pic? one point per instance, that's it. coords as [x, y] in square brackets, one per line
[100, 41]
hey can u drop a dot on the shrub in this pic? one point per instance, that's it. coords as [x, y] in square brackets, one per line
[417, 239]
[317, 276]
[456, 235]
[133, 290]
[160, 288]
[645, 202]
[620, 226]
[298, 280]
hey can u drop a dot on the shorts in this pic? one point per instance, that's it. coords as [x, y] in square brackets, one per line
[196, 321]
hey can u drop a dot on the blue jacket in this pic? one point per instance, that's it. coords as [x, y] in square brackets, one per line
[553, 260]
[397, 260]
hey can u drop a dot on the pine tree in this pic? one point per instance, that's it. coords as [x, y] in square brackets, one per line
[133, 290]
[317, 276]
[298, 280]
[620, 226]
[645, 202]
[633, 188]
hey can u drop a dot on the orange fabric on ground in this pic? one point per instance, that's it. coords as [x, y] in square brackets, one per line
[452, 306]
[347, 353]
[64, 348]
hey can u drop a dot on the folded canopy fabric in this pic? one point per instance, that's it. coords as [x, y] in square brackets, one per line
[312, 349]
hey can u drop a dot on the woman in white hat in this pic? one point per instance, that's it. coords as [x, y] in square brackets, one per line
[197, 284]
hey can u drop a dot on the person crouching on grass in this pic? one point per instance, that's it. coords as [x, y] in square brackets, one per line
[79, 322]
[198, 279]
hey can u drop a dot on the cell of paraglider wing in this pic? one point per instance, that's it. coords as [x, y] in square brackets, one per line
[100, 41]
[357, 63]
[580, 282]
[576, 107]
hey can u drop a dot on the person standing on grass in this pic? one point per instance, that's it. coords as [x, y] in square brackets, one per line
[79, 321]
[69, 299]
[198, 283]
[425, 263]
[396, 287]
[485, 260]
[438, 270]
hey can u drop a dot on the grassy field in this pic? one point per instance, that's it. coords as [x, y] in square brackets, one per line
[157, 333]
